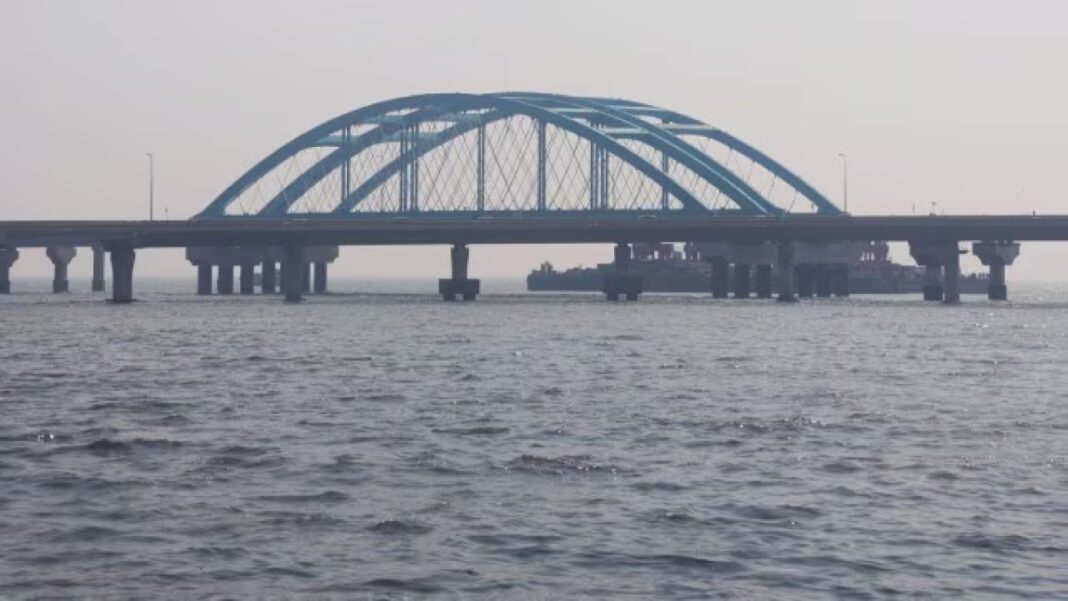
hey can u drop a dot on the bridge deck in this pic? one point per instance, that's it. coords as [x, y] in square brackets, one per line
[520, 230]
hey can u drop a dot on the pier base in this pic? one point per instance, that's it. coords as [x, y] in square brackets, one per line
[268, 276]
[225, 283]
[293, 273]
[61, 257]
[804, 274]
[122, 266]
[996, 256]
[459, 285]
[951, 275]
[622, 283]
[97, 284]
[320, 277]
[8, 256]
[204, 279]
[763, 281]
[248, 279]
[741, 280]
[720, 277]
[784, 265]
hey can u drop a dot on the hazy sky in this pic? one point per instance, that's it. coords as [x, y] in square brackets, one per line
[959, 102]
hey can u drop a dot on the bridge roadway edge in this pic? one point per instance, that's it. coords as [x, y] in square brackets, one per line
[541, 230]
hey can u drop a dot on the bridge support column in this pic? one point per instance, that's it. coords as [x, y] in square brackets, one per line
[822, 275]
[804, 273]
[320, 277]
[720, 277]
[305, 277]
[951, 267]
[622, 282]
[122, 266]
[996, 256]
[459, 284]
[785, 268]
[293, 273]
[248, 279]
[741, 280]
[60, 256]
[8, 256]
[763, 281]
[204, 279]
[97, 284]
[840, 280]
[225, 283]
[268, 276]
[930, 255]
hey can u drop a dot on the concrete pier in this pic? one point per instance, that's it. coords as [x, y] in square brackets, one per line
[763, 281]
[930, 256]
[804, 273]
[459, 285]
[996, 256]
[741, 280]
[247, 283]
[122, 266]
[225, 283]
[951, 274]
[98, 283]
[8, 256]
[268, 276]
[320, 277]
[204, 279]
[784, 266]
[720, 277]
[306, 277]
[61, 257]
[292, 273]
[822, 280]
[622, 283]
[840, 280]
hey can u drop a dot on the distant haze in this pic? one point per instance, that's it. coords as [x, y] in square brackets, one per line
[959, 102]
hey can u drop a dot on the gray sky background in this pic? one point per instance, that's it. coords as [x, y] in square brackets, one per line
[959, 102]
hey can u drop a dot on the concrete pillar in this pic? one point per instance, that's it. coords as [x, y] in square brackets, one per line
[720, 277]
[459, 285]
[122, 265]
[268, 276]
[785, 268]
[840, 280]
[204, 279]
[225, 283]
[320, 277]
[804, 273]
[763, 281]
[293, 273]
[932, 281]
[621, 283]
[305, 277]
[996, 256]
[951, 267]
[741, 280]
[248, 279]
[60, 256]
[8, 256]
[821, 275]
[98, 269]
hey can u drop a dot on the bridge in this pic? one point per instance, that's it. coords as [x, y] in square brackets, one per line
[464, 169]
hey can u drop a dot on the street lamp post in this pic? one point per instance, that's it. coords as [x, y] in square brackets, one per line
[151, 187]
[845, 180]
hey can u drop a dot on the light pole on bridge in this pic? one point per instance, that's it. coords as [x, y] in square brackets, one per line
[151, 186]
[845, 181]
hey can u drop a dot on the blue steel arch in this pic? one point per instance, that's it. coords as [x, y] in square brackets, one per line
[544, 109]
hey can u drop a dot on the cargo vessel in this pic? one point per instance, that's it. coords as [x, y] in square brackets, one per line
[664, 270]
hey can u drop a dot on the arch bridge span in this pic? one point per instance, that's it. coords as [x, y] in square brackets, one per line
[521, 153]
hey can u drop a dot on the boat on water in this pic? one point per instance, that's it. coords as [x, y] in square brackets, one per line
[666, 269]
